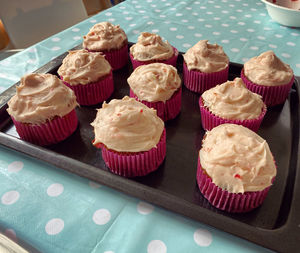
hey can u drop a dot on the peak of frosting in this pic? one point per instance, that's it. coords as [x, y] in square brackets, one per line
[232, 100]
[41, 97]
[268, 70]
[154, 82]
[104, 36]
[206, 57]
[83, 67]
[126, 125]
[150, 46]
[237, 159]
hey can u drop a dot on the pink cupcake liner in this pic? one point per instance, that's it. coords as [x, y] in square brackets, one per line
[117, 58]
[209, 120]
[93, 93]
[172, 61]
[199, 82]
[226, 201]
[272, 95]
[51, 132]
[135, 164]
[166, 111]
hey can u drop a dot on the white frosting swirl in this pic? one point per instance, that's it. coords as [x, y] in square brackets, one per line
[126, 125]
[237, 159]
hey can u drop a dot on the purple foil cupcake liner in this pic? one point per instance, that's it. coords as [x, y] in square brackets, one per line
[135, 164]
[93, 93]
[48, 133]
[166, 111]
[272, 95]
[209, 120]
[172, 61]
[199, 82]
[117, 58]
[226, 201]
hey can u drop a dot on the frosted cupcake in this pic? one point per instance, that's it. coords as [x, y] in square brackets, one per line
[235, 168]
[231, 102]
[158, 86]
[43, 109]
[150, 48]
[109, 39]
[268, 76]
[132, 137]
[89, 75]
[205, 65]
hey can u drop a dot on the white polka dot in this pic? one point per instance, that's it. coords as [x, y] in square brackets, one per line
[191, 27]
[278, 35]
[245, 4]
[132, 25]
[250, 30]
[198, 35]
[209, 13]
[217, 6]
[178, 14]
[231, 5]
[202, 7]
[75, 30]
[239, 10]
[245, 59]
[11, 234]
[232, 17]
[156, 246]
[179, 37]
[109, 14]
[157, 10]
[10, 197]
[235, 50]
[211, 2]
[136, 31]
[128, 18]
[150, 23]
[94, 184]
[31, 61]
[267, 28]
[111, 20]
[225, 41]
[217, 18]
[225, 11]
[184, 21]
[93, 21]
[122, 7]
[167, 22]
[15, 166]
[173, 29]
[162, 16]
[259, 3]
[254, 48]
[298, 66]
[55, 190]
[243, 39]
[285, 55]
[295, 34]
[55, 39]
[216, 33]
[138, 6]
[188, 8]
[108, 251]
[208, 26]
[32, 50]
[272, 46]
[76, 38]
[149, 1]
[145, 16]
[186, 45]
[168, 4]
[203, 237]
[261, 37]
[101, 216]
[233, 31]
[144, 208]
[54, 226]
[225, 25]
[263, 14]
[141, 11]
[155, 31]
[241, 23]
[248, 15]
[201, 19]
[55, 48]
[291, 44]
[256, 21]
[196, 2]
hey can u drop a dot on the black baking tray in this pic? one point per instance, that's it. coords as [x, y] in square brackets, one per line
[274, 225]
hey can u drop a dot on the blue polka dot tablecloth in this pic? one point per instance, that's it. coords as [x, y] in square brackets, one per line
[55, 211]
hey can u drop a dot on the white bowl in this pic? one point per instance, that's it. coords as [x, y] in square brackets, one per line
[283, 15]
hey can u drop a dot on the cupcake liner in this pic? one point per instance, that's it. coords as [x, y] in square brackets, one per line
[135, 164]
[172, 61]
[272, 95]
[226, 201]
[51, 132]
[166, 111]
[93, 93]
[209, 120]
[199, 82]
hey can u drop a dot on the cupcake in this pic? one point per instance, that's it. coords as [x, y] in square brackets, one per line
[158, 86]
[109, 39]
[231, 102]
[89, 75]
[43, 109]
[268, 76]
[205, 65]
[132, 137]
[150, 48]
[235, 168]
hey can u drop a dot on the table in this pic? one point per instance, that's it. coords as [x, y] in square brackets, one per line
[56, 211]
